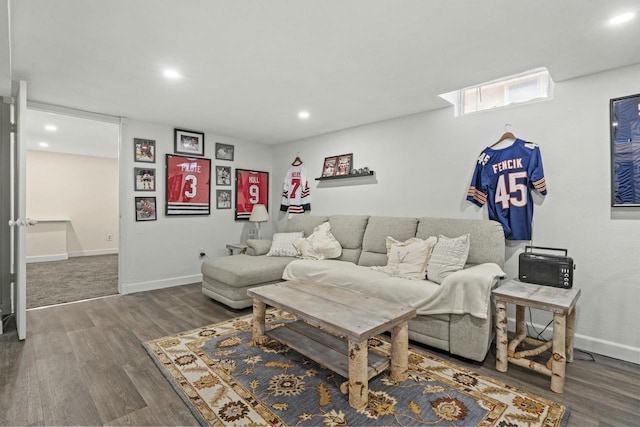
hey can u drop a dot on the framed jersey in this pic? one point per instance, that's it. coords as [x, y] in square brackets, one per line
[252, 188]
[625, 151]
[188, 185]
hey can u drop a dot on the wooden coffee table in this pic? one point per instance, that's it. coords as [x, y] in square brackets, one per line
[340, 312]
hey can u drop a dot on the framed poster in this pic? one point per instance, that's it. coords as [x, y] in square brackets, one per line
[345, 161]
[625, 151]
[146, 209]
[223, 175]
[329, 167]
[224, 151]
[188, 142]
[144, 150]
[223, 199]
[252, 188]
[188, 185]
[145, 179]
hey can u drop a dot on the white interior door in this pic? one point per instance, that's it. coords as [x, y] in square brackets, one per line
[19, 210]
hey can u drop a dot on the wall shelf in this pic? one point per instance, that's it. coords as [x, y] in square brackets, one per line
[351, 175]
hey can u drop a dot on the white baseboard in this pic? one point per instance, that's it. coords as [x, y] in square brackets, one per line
[128, 288]
[93, 252]
[46, 258]
[591, 344]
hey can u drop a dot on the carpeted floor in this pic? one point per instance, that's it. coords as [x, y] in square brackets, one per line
[224, 378]
[75, 279]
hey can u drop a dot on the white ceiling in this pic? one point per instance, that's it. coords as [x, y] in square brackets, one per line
[249, 66]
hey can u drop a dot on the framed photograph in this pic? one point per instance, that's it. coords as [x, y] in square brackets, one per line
[145, 179]
[625, 151]
[188, 185]
[223, 199]
[224, 151]
[329, 167]
[188, 142]
[345, 163]
[223, 175]
[252, 188]
[144, 150]
[146, 209]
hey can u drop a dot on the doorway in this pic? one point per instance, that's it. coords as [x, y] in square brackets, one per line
[72, 189]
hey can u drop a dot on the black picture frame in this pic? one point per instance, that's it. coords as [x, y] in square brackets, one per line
[223, 175]
[188, 142]
[223, 199]
[224, 151]
[144, 179]
[624, 113]
[144, 150]
[145, 209]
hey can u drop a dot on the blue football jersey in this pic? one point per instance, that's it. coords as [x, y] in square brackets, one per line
[503, 180]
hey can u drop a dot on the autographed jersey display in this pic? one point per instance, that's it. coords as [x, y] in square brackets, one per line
[188, 185]
[503, 180]
[252, 188]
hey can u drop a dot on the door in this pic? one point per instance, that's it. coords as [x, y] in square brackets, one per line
[18, 208]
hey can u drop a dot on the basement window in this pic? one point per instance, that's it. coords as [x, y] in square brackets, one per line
[531, 86]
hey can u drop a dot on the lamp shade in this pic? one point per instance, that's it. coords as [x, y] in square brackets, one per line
[259, 214]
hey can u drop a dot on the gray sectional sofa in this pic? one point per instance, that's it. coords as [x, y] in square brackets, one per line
[363, 240]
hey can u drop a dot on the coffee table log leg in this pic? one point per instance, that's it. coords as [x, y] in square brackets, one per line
[259, 310]
[358, 379]
[558, 363]
[400, 352]
[501, 336]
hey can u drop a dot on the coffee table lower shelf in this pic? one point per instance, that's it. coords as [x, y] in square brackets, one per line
[324, 348]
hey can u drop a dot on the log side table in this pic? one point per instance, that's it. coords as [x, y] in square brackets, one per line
[562, 302]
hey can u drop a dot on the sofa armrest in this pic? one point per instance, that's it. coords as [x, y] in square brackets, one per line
[257, 247]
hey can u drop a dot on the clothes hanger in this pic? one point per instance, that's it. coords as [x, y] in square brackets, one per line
[297, 161]
[506, 135]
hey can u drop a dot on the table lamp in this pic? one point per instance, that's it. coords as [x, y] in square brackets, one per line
[259, 214]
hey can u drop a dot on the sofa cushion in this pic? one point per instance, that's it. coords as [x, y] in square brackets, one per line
[304, 223]
[348, 230]
[282, 244]
[374, 246]
[487, 243]
[448, 256]
[245, 270]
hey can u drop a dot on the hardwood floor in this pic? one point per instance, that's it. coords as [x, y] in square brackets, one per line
[83, 364]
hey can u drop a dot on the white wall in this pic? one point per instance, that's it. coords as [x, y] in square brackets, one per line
[163, 253]
[83, 189]
[423, 165]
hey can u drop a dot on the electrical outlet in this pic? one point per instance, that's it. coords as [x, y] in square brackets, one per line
[109, 237]
[202, 253]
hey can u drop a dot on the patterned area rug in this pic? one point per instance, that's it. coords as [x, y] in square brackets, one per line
[225, 379]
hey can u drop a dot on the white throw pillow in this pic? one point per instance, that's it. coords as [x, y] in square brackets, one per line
[320, 245]
[408, 259]
[448, 256]
[282, 244]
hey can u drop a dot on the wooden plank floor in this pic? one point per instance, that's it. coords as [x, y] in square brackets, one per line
[83, 364]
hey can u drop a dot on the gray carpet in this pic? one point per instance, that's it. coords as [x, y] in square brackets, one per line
[75, 279]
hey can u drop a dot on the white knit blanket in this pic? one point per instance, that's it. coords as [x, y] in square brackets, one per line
[465, 291]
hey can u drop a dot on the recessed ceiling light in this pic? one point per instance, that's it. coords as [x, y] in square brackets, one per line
[621, 19]
[43, 144]
[51, 128]
[303, 115]
[171, 74]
